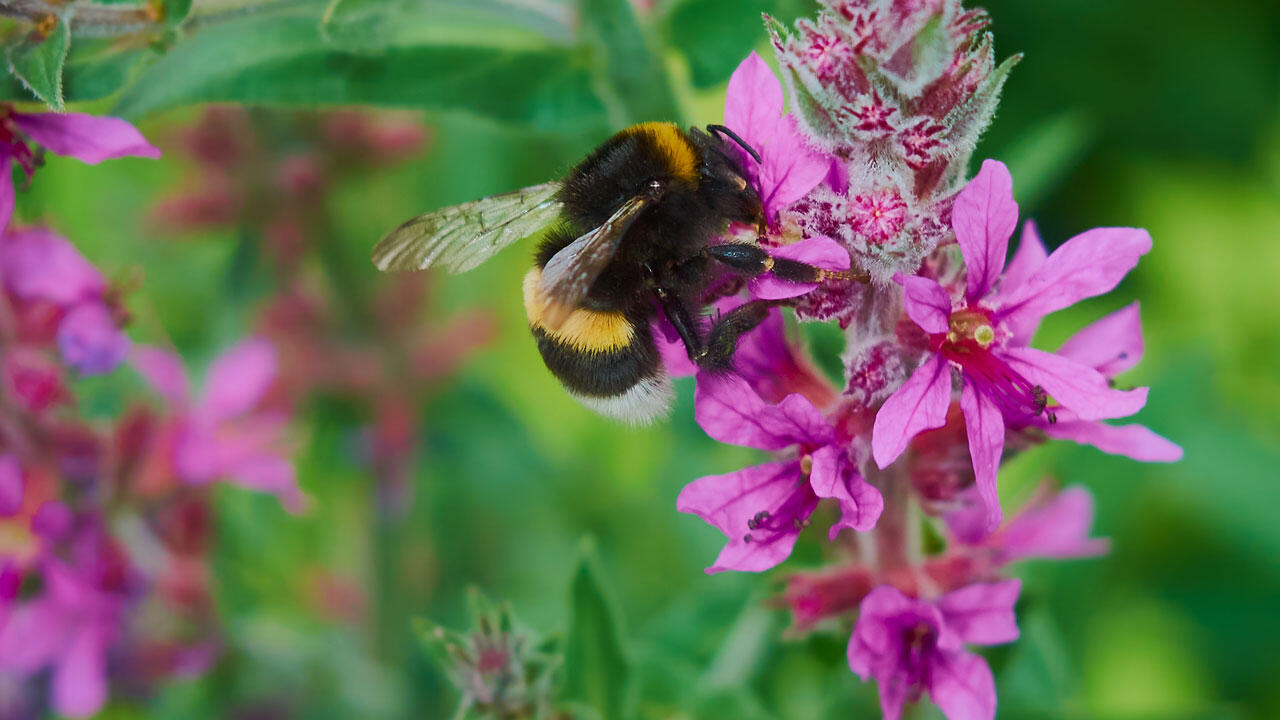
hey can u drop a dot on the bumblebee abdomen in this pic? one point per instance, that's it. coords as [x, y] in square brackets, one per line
[606, 359]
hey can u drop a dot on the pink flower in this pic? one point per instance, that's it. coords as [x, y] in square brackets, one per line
[224, 435]
[1051, 525]
[84, 137]
[762, 509]
[70, 625]
[1110, 346]
[984, 334]
[789, 168]
[818, 251]
[38, 265]
[912, 646]
[11, 485]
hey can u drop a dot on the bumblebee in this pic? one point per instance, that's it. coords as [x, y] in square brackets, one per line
[628, 235]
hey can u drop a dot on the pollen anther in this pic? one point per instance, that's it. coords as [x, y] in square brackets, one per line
[984, 335]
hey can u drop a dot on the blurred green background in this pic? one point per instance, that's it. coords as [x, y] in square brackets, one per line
[1163, 114]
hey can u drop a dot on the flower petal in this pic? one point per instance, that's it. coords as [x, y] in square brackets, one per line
[874, 635]
[834, 476]
[1132, 441]
[984, 427]
[926, 302]
[753, 101]
[89, 340]
[789, 168]
[1088, 264]
[1057, 529]
[1076, 387]
[962, 687]
[34, 636]
[39, 264]
[7, 198]
[88, 138]
[984, 217]
[11, 485]
[674, 355]
[163, 371]
[730, 502]
[729, 410]
[1110, 345]
[818, 251]
[982, 614]
[270, 474]
[1028, 258]
[920, 404]
[80, 677]
[238, 379]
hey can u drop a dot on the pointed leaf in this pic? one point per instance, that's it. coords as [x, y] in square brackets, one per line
[595, 666]
[38, 62]
[631, 67]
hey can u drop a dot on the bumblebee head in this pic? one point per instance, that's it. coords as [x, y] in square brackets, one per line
[725, 181]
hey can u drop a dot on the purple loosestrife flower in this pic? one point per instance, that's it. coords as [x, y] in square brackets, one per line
[84, 137]
[762, 509]
[984, 334]
[912, 646]
[225, 434]
[37, 265]
[1050, 525]
[70, 625]
[1110, 345]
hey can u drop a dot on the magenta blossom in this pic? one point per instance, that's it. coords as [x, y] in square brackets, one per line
[73, 620]
[984, 334]
[224, 434]
[1051, 525]
[1110, 346]
[789, 167]
[912, 646]
[36, 264]
[762, 509]
[84, 137]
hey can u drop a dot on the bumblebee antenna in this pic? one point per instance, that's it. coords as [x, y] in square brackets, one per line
[721, 130]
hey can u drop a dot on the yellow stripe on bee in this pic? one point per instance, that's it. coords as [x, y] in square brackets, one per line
[674, 146]
[584, 330]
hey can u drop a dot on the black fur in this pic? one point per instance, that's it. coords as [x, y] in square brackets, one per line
[601, 374]
[664, 253]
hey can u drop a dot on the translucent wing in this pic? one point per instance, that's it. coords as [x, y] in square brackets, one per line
[461, 237]
[569, 273]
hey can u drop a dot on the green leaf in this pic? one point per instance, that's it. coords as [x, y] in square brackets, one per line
[714, 35]
[37, 62]
[632, 70]
[176, 12]
[596, 669]
[281, 58]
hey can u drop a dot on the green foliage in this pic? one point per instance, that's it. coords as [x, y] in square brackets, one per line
[596, 668]
[37, 62]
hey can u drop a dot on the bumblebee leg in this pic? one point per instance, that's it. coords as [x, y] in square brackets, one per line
[725, 331]
[683, 322]
[752, 260]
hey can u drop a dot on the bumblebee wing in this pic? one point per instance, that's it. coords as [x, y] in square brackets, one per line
[461, 237]
[568, 275]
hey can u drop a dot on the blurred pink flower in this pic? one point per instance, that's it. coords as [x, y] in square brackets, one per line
[224, 434]
[37, 265]
[1050, 525]
[912, 646]
[762, 509]
[789, 168]
[84, 137]
[985, 333]
[11, 485]
[72, 622]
